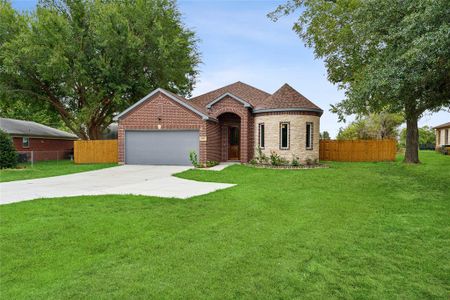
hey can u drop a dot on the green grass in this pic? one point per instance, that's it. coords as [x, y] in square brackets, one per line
[356, 230]
[47, 169]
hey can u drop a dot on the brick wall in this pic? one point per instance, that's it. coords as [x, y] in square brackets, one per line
[161, 110]
[230, 105]
[44, 148]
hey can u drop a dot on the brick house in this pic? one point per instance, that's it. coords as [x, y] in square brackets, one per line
[35, 141]
[227, 124]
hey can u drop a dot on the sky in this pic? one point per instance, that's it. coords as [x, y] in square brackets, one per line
[239, 43]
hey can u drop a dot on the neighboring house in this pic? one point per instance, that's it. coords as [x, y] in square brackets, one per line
[38, 142]
[227, 124]
[442, 135]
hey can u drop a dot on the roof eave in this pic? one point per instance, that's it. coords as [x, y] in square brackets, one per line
[160, 90]
[263, 110]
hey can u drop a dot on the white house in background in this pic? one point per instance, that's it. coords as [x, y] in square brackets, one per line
[442, 134]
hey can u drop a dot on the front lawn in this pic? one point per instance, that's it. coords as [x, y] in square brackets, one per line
[50, 168]
[355, 230]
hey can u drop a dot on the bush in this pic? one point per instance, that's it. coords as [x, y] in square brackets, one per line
[253, 161]
[276, 159]
[211, 163]
[295, 162]
[261, 157]
[8, 154]
[444, 150]
[193, 157]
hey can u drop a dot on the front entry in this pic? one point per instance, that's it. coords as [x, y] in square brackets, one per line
[233, 143]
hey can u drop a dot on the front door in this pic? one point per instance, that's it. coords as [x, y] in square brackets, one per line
[233, 143]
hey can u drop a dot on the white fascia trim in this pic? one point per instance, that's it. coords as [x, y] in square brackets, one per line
[160, 90]
[246, 104]
[263, 110]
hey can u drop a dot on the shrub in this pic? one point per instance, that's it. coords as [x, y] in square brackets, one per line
[309, 161]
[276, 159]
[261, 157]
[253, 161]
[8, 154]
[295, 162]
[444, 150]
[211, 163]
[193, 157]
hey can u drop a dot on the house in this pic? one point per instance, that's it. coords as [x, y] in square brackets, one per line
[226, 124]
[35, 141]
[442, 133]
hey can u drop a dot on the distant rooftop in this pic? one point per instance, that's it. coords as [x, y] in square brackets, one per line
[27, 128]
[445, 125]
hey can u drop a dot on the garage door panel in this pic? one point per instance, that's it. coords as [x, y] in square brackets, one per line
[160, 147]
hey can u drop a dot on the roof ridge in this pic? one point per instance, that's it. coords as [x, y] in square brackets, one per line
[226, 86]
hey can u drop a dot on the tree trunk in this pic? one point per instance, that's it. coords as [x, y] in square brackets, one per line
[95, 132]
[412, 140]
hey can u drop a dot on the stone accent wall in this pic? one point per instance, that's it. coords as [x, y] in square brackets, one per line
[297, 141]
[161, 110]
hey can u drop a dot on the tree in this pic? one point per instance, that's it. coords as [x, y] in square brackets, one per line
[388, 55]
[40, 112]
[372, 127]
[325, 135]
[426, 136]
[8, 154]
[90, 59]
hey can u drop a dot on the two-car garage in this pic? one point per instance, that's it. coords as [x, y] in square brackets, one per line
[160, 147]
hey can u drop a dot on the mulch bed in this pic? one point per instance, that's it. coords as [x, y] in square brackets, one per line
[289, 167]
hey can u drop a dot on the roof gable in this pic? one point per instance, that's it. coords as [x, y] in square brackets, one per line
[245, 103]
[178, 99]
[243, 91]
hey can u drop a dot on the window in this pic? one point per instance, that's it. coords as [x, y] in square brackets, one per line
[25, 142]
[261, 133]
[309, 135]
[284, 136]
[446, 137]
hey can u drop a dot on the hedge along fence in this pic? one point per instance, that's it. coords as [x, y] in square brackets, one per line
[98, 151]
[358, 150]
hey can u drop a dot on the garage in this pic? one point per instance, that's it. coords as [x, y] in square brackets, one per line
[160, 147]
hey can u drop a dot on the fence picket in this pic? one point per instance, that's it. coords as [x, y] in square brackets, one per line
[357, 150]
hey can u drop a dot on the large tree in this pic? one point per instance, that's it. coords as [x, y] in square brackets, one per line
[90, 59]
[387, 55]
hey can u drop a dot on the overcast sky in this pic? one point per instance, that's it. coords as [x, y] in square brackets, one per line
[239, 43]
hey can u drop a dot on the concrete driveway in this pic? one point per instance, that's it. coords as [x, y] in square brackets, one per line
[128, 179]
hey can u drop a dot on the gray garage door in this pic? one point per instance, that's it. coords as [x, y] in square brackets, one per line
[160, 147]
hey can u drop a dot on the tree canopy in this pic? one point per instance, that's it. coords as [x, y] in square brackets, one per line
[372, 127]
[388, 55]
[90, 59]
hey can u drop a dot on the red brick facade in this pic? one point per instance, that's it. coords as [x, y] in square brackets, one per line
[45, 148]
[212, 114]
[229, 105]
[162, 113]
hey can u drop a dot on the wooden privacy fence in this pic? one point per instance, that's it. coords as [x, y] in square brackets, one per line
[98, 151]
[358, 150]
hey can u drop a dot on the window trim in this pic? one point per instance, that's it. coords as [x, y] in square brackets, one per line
[23, 142]
[311, 136]
[261, 137]
[288, 135]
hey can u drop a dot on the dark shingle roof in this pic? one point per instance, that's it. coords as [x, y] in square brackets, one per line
[445, 125]
[239, 89]
[286, 97]
[27, 128]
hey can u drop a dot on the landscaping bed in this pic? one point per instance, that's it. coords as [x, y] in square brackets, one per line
[289, 167]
